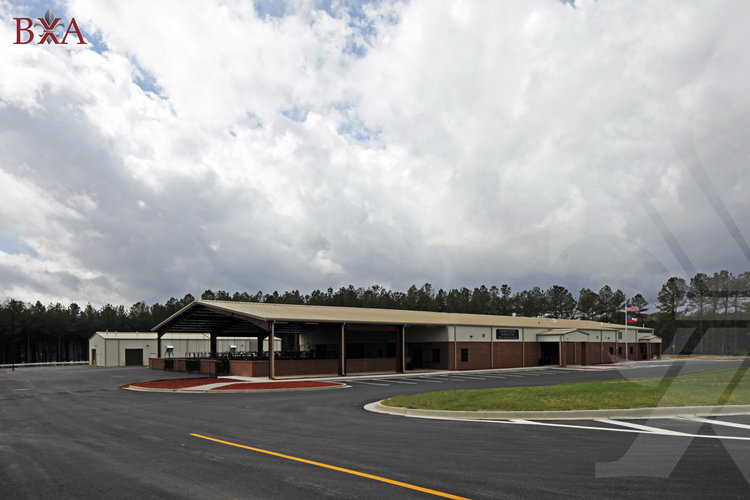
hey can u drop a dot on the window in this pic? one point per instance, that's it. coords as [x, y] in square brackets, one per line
[611, 350]
[464, 354]
[436, 355]
[619, 335]
[619, 350]
[506, 334]
[631, 349]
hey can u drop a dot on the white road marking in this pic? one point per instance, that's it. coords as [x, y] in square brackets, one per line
[402, 382]
[474, 378]
[369, 383]
[715, 422]
[645, 428]
[425, 380]
[652, 431]
[566, 426]
[205, 387]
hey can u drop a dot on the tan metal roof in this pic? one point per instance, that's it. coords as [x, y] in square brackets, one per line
[329, 314]
[650, 338]
[562, 331]
[126, 335]
[152, 336]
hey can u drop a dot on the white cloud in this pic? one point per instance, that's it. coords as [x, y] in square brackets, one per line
[461, 143]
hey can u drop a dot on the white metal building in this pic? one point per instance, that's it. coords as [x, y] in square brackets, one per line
[135, 348]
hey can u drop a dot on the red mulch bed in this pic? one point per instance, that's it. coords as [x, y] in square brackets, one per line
[180, 383]
[304, 384]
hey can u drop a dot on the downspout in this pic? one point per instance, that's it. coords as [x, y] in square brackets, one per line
[455, 349]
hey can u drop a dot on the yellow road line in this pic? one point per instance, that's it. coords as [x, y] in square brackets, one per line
[333, 467]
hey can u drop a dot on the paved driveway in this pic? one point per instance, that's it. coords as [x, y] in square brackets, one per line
[72, 433]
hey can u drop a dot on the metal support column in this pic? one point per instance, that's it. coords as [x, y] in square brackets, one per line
[400, 341]
[271, 353]
[342, 350]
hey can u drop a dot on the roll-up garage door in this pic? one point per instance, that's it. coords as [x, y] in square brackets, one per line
[133, 357]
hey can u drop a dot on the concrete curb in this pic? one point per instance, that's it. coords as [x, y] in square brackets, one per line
[236, 391]
[634, 413]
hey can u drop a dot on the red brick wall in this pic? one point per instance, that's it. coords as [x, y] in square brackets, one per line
[249, 368]
[635, 354]
[572, 353]
[533, 353]
[208, 366]
[593, 352]
[609, 358]
[284, 367]
[508, 354]
[479, 355]
[365, 365]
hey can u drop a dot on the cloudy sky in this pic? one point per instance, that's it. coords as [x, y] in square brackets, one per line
[274, 146]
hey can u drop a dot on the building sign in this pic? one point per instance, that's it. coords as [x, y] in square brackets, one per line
[506, 334]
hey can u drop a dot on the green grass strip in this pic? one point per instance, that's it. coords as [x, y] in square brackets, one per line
[718, 387]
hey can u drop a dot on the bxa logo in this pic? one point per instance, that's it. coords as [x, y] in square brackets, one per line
[52, 28]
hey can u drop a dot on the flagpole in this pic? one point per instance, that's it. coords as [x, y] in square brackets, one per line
[626, 329]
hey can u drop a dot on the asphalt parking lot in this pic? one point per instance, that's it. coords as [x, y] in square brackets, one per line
[73, 433]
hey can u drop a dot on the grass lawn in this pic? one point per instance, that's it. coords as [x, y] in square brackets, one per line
[718, 387]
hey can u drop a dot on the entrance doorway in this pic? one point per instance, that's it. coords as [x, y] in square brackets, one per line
[550, 353]
[417, 359]
[93, 356]
[133, 357]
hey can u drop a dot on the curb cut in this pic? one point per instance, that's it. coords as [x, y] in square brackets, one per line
[634, 413]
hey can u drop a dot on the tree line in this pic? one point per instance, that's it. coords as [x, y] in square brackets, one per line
[557, 301]
[703, 302]
[39, 333]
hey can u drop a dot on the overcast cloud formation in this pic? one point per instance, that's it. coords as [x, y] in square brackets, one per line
[226, 145]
